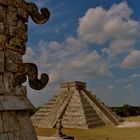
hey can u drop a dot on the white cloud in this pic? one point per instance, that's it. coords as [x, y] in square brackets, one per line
[72, 59]
[129, 88]
[110, 88]
[114, 25]
[54, 45]
[30, 55]
[132, 60]
[66, 61]
[135, 75]
[121, 9]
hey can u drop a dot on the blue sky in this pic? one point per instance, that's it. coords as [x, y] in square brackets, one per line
[95, 41]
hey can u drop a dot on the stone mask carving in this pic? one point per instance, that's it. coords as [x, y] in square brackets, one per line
[14, 15]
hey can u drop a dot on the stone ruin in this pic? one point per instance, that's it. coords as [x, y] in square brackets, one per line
[76, 107]
[59, 133]
[15, 123]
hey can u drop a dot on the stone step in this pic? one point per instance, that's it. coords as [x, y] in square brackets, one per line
[93, 125]
[89, 112]
[91, 120]
[45, 110]
[53, 99]
[74, 107]
[90, 115]
[65, 121]
[80, 109]
[75, 102]
[49, 103]
[73, 115]
[76, 112]
[40, 115]
[73, 125]
[82, 120]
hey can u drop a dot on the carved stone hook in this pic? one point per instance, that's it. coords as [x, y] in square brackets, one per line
[37, 17]
[32, 72]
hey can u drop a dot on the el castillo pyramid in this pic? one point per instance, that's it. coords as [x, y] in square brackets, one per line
[76, 107]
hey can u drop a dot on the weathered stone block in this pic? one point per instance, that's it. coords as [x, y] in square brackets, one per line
[20, 90]
[12, 60]
[10, 121]
[4, 136]
[22, 14]
[1, 108]
[15, 103]
[14, 136]
[12, 20]
[2, 41]
[2, 19]
[14, 121]
[16, 44]
[9, 82]
[1, 62]
[22, 30]
[26, 128]
[1, 124]
[2, 91]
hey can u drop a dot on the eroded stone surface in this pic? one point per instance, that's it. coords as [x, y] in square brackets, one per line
[1, 124]
[15, 103]
[4, 136]
[1, 62]
[20, 90]
[9, 82]
[2, 19]
[14, 136]
[10, 121]
[14, 121]
[26, 128]
[2, 89]
[12, 60]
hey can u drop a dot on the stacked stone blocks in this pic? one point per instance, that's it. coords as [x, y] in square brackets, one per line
[78, 107]
[15, 123]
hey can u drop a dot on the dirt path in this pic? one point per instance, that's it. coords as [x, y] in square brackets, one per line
[129, 124]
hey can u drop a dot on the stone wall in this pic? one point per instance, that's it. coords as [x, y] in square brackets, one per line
[15, 123]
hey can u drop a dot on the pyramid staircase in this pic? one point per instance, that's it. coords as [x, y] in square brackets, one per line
[77, 108]
[80, 114]
[43, 112]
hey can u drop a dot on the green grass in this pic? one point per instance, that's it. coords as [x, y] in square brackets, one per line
[102, 133]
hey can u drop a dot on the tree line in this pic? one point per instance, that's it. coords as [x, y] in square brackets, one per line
[127, 110]
[124, 111]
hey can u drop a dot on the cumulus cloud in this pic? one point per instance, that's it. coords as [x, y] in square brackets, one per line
[129, 88]
[74, 59]
[110, 88]
[115, 25]
[68, 61]
[132, 60]
[135, 75]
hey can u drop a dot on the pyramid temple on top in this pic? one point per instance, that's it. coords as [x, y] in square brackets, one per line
[76, 107]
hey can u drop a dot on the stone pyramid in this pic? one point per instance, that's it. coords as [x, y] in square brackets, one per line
[76, 107]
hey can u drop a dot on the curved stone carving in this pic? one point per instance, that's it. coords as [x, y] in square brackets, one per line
[32, 72]
[37, 17]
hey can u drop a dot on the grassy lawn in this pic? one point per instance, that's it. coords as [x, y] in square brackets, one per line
[102, 133]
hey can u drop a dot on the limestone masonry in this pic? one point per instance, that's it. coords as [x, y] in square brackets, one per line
[15, 123]
[76, 107]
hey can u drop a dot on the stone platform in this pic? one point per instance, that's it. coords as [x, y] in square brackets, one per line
[54, 138]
